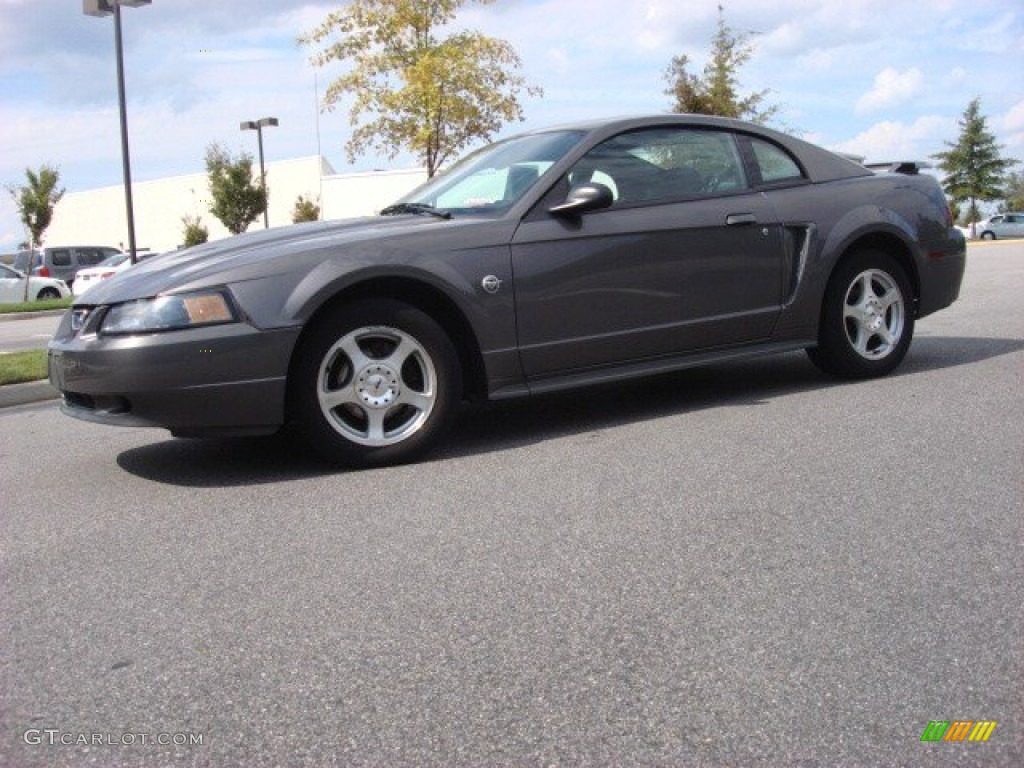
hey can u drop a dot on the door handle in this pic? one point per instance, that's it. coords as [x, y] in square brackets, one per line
[740, 219]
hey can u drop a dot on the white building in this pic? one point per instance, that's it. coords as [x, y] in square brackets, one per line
[97, 216]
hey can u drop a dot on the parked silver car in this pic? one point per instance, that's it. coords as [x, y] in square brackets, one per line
[1001, 226]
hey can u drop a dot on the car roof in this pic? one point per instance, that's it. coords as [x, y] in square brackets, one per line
[819, 163]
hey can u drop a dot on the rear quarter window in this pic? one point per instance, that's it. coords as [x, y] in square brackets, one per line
[776, 165]
[60, 257]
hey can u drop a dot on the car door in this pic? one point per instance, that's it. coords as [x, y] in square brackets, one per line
[688, 257]
[12, 285]
[61, 265]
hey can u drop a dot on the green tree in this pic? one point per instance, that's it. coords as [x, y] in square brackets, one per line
[195, 233]
[238, 199]
[716, 92]
[36, 200]
[305, 210]
[412, 89]
[974, 170]
[1013, 192]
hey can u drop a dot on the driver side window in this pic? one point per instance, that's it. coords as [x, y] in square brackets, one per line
[662, 165]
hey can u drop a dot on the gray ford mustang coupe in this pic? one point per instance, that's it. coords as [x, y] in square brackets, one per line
[559, 258]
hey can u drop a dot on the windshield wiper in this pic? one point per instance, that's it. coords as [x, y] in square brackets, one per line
[415, 208]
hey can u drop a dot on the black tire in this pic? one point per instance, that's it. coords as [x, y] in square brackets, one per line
[47, 293]
[374, 382]
[988, 235]
[867, 318]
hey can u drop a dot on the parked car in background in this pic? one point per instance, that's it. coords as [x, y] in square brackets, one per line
[12, 287]
[1001, 225]
[63, 262]
[90, 276]
[588, 253]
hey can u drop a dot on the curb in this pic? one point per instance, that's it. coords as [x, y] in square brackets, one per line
[9, 316]
[29, 392]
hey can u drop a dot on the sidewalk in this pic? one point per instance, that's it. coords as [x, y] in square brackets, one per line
[8, 316]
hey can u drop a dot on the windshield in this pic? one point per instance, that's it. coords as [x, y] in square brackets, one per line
[113, 261]
[492, 179]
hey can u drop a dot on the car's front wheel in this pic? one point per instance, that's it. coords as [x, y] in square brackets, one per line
[375, 382]
[988, 235]
[867, 319]
[48, 293]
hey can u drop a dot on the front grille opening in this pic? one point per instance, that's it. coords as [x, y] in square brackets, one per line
[99, 403]
[76, 400]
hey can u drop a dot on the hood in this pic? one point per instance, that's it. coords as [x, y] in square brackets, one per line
[253, 255]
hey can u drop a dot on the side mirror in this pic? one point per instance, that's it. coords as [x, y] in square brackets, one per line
[584, 197]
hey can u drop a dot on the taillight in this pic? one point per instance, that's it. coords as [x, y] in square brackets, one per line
[105, 275]
[44, 271]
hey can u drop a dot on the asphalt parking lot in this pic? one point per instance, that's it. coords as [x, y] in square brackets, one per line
[745, 565]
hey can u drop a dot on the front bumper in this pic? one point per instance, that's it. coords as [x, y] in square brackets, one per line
[214, 380]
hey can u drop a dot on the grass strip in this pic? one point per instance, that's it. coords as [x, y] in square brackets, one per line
[18, 367]
[35, 306]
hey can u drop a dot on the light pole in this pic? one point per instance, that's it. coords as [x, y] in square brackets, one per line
[258, 126]
[105, 8]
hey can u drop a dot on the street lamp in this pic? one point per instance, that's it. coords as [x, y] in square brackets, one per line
[258, 126]
[105, 8]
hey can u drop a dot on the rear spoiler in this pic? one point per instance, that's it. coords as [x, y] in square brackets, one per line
[908, 167]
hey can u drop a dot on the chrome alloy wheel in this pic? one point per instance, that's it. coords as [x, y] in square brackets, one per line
[874, 313]
[377, 386]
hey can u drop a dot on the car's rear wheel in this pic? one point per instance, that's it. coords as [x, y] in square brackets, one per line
[867, 319]
[48, 293]
[375, 382]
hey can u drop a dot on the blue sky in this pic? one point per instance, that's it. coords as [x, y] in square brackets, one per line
[881, 78]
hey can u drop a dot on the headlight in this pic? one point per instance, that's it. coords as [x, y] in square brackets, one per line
[165, 313]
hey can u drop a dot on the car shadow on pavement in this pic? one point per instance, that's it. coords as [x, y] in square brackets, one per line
[226, 462]
[510, 424]
[507, 425]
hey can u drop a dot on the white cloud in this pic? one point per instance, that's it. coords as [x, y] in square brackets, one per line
[1000, 35]
[559, 60]
[1010, 128]
[891, 88]
[893, 140]
[788, 38]
[1013, 120]
[956, 77]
